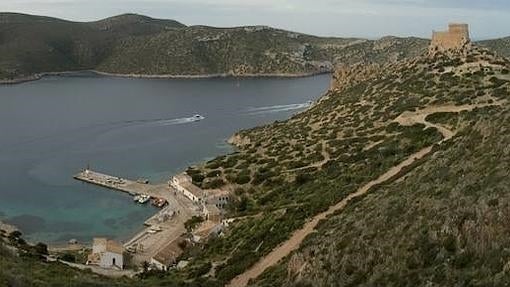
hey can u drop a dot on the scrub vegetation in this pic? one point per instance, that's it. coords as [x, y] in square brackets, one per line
[444, 222]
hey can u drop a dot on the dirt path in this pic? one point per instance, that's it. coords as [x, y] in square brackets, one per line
[293, 243]
[418, 117]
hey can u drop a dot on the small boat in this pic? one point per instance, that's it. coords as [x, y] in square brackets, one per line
[144, 198]
[197, 118]
[159, 202]
[143, 181]
[154, 229]
[136, 197]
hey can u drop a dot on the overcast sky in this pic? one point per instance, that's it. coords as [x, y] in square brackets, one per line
[360, 18]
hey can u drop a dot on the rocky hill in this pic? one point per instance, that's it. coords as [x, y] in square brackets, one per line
[500, 46]
[34, 44]
[439, 221]
[135, 44]
[397, 176]
[249, 51]
[442, 225]
[368, 131]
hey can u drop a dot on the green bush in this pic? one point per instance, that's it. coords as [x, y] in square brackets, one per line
[215, 183]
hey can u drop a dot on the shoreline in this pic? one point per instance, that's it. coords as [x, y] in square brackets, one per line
[39, 76]
[234, 140]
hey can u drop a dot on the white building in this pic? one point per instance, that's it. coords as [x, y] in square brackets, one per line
[106, 254]
[183, 183]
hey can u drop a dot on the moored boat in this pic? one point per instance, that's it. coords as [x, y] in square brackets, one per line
[159, 202]
[144, 198]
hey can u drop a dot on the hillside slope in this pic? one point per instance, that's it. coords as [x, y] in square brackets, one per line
[440, 217]
[34, 44]
[500, 46]
[250, 50]
[444, 223]
[288, 172]
[139, 45]
[136, 44]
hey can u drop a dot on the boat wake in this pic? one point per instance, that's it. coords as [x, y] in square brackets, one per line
[163, 122]
[278, 108]
[102, 128]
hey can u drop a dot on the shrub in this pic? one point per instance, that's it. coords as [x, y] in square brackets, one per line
[197, 178]
[68, 257]
[216, 183]
[242, 179]
[214, 173]
[193, 222]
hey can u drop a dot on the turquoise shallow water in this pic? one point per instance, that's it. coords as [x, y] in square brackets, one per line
[50, 129]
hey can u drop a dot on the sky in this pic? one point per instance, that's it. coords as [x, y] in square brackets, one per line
[341, 18]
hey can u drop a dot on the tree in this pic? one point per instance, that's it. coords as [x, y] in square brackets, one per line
[193, 222]
[41, 248]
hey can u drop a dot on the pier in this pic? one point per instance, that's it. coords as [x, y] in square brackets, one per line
[115, 183]
[162, 228]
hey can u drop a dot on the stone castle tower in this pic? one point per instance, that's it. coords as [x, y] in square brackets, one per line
[456, 37]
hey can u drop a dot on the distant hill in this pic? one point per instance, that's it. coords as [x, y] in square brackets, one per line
[136, 44]
[135, 25]
[248, 50]
[500, 46]
[35, 44]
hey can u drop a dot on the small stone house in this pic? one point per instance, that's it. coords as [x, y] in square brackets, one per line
[106, 254]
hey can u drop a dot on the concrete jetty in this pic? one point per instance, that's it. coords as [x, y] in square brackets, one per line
[162, 228]
[122, 184]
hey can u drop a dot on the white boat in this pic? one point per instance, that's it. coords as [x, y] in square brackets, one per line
[154, 229]
[197, 118]
[136, 197]
[144, 198]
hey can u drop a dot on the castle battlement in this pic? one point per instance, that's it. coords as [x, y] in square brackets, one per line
[455, 38]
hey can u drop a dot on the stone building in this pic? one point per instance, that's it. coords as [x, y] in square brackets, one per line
[183, 183]
[456, 37]
[218, 197]
[167, 256]
[106, 254]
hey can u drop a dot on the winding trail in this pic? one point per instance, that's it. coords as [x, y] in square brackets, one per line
[293, 243]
